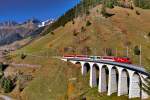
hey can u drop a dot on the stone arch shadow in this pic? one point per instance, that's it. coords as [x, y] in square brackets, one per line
[104, 75]
[124, 82]
[96, 74]
[85, 68]
[113, 80]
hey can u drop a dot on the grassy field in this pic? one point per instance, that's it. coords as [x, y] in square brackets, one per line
[57, 80]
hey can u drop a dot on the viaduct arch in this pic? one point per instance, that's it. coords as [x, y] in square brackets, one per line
[112, 78]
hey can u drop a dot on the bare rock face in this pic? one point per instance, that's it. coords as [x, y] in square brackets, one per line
[11, 31]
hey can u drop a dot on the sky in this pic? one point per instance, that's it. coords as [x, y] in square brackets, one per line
[21, 10]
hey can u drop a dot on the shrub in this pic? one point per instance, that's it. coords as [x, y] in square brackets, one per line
[83, 29]
[3, 66]
[1, 74]
[7, 84]
[110, 4]
[148, 34]
[87, 13]
[52, 33]
[97, 10]
[137, 12]
[1, 70]
[103, 10]
[88, 23]
[137, 50]
[75, 33]
[23, 56]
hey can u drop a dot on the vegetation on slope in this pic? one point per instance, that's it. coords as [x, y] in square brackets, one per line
[84, 6]
[123, 29]
[142, 3]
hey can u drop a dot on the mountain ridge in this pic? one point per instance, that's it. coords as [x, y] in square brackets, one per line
[11, 31]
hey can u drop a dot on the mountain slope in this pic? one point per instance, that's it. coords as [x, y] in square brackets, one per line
[124, 29]
[11, 31]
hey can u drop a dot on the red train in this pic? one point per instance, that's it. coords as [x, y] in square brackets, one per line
[104, 58]
[118, 59]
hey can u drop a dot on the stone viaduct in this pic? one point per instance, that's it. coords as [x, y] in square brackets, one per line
[113, 77]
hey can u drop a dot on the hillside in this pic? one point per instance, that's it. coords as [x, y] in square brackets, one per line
[11, 31]
[123, 29]
[91, 35]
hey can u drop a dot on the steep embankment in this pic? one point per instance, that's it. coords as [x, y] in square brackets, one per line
[124, 29]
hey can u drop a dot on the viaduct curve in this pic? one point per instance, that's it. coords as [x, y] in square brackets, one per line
[113, 77]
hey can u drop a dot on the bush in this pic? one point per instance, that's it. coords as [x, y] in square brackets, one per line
[137, 50]
[110, 4]
[97, 10]
[105, 13]
[87, 13]
[137, 12]
[7, 84]
[75, 33]
[1, 74]
[52, 33]
[88, 23]
[83, 29]
[148, 34]
[23, 56]
[1, 70]
[3, 66]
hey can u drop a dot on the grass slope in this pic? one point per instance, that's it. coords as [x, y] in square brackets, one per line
[55, 79]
